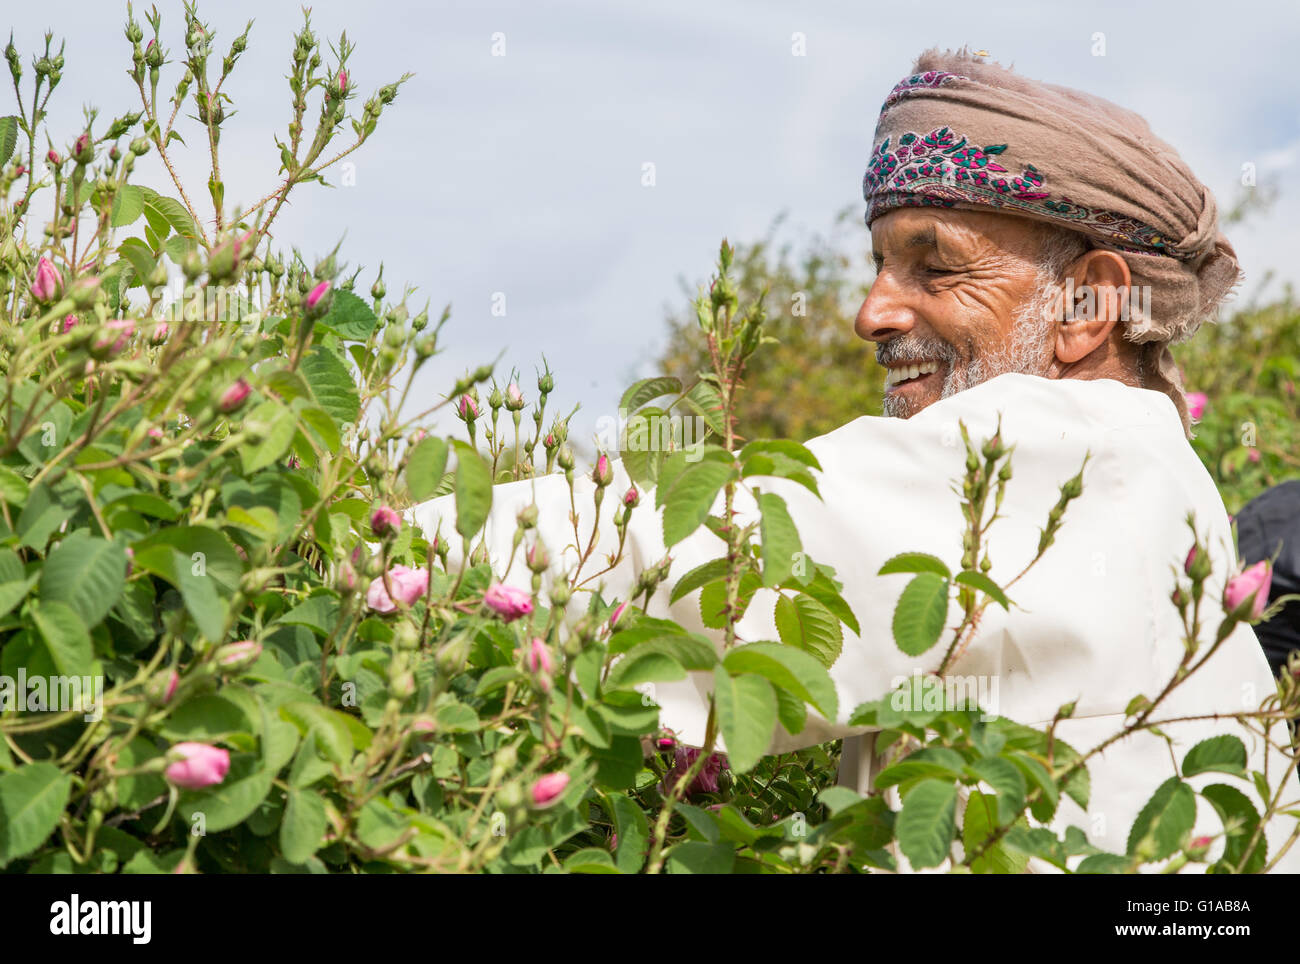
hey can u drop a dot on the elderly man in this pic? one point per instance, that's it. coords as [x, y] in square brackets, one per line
[1037, 251]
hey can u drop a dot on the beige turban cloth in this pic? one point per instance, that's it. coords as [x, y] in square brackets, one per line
[962, 133]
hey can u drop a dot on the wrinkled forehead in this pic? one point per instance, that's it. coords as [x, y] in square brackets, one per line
[910, 231]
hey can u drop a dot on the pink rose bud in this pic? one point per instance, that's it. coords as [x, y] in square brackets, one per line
[113, 337]
[514, 398]
[467, 408]
[196, 765]
[233, 398]
[539, 657]
[1253, 455]
[423, 727]
[1191, 558]
[632, 498]
[48, 281]
[549, 441]
[385, 522]
[1196, 402]
[155, 432]
[235, 656]
[617, 614]
[341, 82]
[418, 436]
[408, 586]
[173, 682]
[666, 740]
[508, 602]
[1246, 594]
[52, 156]
[20, 170]
[130, 559]
[548, 788]
[69, 323]
[316, 294]
[81, 150]
[602, 474]
[1199, 847]
[159, 333]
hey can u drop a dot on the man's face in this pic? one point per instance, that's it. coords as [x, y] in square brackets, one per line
[957, 300]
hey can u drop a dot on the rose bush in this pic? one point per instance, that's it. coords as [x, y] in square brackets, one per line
[198, 506]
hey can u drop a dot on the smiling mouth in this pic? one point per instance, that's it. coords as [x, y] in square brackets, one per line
[899, 375]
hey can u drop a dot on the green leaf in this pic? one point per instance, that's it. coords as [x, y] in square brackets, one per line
[699, 857]
[1224, 753]
[302, 829]
[1239, 818]
[920, 614]
[8, 137]
[351, 317]
[331, 384]
[1164, 822]
[978, 819]
[278, 427]
[424, 467]
[633, 829]
[984, 584]
[822, 588]
[804, 623]
[689, 497]
[473, 490]
[590, 860]
[649, 388]
[746, 708]
[128, 204]
[1004, 777]
[87, 573]
[164, 212]
[703, 399]
[790, 449]
[1104, 864]
[232, 801]
[652, 666]
[788, 669]
[780, 539]
[31, 800]
[927, 822]
[701, 575]
[66, 638]
[915, 562]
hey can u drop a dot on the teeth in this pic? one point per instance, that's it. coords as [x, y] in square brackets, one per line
[907, 372]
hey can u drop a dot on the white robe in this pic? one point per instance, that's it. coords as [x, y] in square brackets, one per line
[1093, 624]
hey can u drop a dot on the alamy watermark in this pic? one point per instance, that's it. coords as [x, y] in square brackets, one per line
[53, 694]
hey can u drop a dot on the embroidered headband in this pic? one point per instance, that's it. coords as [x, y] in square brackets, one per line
[962, 133]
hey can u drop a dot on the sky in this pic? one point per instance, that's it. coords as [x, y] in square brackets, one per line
[512, 166]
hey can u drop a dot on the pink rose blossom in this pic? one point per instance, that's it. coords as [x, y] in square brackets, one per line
[1253, 584]
[69, 323]
[548, 788]
[1196, 402]
[706, 781]
[507, 602]
[408, 585]
[467, 408]
[197, 765]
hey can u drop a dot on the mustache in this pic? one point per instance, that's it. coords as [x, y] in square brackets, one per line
[915, 348]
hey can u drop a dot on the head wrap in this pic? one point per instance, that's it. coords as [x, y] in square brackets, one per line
[962, 133]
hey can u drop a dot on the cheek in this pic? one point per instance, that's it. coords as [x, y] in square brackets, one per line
[974, 317]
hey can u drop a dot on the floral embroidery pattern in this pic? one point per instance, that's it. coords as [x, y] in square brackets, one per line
[943, 169]
[926, 81]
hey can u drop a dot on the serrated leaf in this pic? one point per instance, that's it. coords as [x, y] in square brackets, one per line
[424, 467]
[978, 580]
[915, 562]
[1224, 753]
[31, 800]
[788, 669]
[87, 573]
[804, 623]
[927, 823]
[746, 709]
[780, 539]
[921, 613]
[648, 389]
[473, 490]
[689, 497]
[1164, 821]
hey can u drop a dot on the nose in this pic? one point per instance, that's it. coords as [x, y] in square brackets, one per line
[885, 313]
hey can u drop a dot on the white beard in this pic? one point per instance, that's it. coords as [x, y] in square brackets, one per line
[1028, 351]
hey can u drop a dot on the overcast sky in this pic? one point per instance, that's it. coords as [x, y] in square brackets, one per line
[523, 173]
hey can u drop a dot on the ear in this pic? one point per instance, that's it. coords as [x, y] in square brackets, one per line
[1096, 286]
